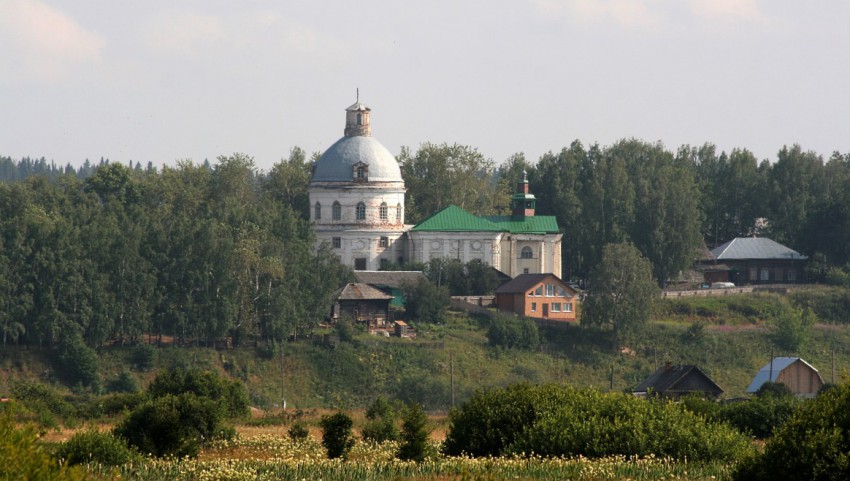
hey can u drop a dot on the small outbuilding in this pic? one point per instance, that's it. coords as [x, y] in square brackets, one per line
[542, 296]
[800, 377]
[361, 302]
[390, 282]
[677, 381]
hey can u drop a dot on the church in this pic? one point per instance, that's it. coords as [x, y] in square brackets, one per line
[357, 207]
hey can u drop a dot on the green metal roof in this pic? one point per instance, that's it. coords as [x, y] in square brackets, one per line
[539, 224]
[455, 219]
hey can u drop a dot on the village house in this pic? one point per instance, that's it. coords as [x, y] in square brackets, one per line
[801, 377]
[542, 296]
[676, 381]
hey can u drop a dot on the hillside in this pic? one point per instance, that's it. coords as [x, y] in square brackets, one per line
[726, 337]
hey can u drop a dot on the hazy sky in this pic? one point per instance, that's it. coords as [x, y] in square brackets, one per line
[166, 80]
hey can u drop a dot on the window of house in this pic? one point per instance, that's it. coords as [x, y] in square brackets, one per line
[791, 274]
[337, 242]
[384, 242]
[360, 264]
[556, 307]
[754, 274]
[383, 211]
[318, 211]
[533, 307]
[561, 292]
[550, 290]
[398, 213]
[525, 270]
[765, 275]
[538, 291]
[526, 253]
[361, 211]
[336, 211]
[568, 307]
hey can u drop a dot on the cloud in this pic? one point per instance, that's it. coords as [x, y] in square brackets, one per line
[635, 14]
[43, 42]
[744, 9]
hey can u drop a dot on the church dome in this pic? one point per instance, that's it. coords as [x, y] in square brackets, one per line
[357, 150]
[338, 162]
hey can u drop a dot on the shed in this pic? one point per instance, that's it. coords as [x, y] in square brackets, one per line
[400, 328]
[677, 381]
[361, 302]
[800, 377]
[390, 282]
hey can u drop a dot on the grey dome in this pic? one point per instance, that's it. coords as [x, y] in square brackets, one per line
[337, 163]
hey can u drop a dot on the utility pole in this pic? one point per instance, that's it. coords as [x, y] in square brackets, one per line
[452, 376]
[282, 376]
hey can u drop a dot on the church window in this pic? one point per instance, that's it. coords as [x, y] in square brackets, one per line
[337, 242]
[361, 173]
[359, 119]
[526, 253]
[317, 215]
[336, 211]
[383, 211]
[361, 211]
[398, 213]
[384, 242]
[360, 264]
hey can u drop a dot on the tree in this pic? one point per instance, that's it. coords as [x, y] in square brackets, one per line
[791, 328]
[414, 434]
[621, 292]
[424, 301]
[380, 425]
[336, 434]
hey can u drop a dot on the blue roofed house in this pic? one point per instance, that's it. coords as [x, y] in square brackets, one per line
[800, 377]
[754, 260]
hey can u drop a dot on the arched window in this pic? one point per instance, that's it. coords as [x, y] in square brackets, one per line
[361, 173]
[383, 211]
[317, 215]
[526, 253]
[359, 119]
[336, 211]
[361, 211]
[398, 213]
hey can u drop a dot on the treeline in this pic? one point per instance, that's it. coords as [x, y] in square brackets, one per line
[193, 254]
[665, 203]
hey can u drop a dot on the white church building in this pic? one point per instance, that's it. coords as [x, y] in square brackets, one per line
[357, 207]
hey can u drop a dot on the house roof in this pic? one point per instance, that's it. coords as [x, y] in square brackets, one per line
[666, 379]
[523, 282]
[392, 279]
[455, 219]
[359, 292]
[741, 248]
[771, 371]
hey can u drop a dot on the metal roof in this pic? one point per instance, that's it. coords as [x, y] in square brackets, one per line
[539, 224]
[523, 282]
[771, 370]
[741, 248]
[455, 219]
[337, 163]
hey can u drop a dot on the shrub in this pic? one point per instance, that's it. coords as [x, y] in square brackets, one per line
[298, 431]
[414, 434]
[125, 382]
[231, 396]
[118, 403]
[143, 357]
[813, 444]
[380, 425]
[336, 435]
[172, 425]
[44, 402]
[761, 416]
[76, 362]
[791, 328]
[24, 458]
[94, 446]
[510, 332]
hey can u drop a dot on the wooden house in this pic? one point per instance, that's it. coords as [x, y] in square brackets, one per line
[390, 282]
[542, 296]
[677, 381]
[361, 302]
[800, 377]
[754, 260]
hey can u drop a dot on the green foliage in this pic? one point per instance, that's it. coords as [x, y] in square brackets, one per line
[561, 421]
[829, 305]
[125, 382]
[23, 458]
[336, 435]
[774, 390]
[298, 431]
[77, 362]
[791, 328]
[44, 402]
[172, 425]
[513, 333]
[143, 357]
[380, 425]
[813, 444]
[424, 301]
[93, 446]
[414, 434]
[118, 403]
[230, 395]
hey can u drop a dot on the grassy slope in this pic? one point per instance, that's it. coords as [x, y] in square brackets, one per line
[730, 347]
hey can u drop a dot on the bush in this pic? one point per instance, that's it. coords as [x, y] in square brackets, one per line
[380, 425]
[813, 444]
[761, 416]
[76, 362]
[125, 382]
[173, 425]
[298, 431]
[510, 332]
[94, 446]
[230, 395]
[23, 457]
[44, 402]
[414, 434]
[336, 435]
[118, 403]
[143, 357]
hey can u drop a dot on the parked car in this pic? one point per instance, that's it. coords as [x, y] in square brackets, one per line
[722, 285]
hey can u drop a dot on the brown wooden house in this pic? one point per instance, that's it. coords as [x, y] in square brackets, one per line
[754, 260]
[361, 302]
[677, 381]
[542, 296]
[800, 377]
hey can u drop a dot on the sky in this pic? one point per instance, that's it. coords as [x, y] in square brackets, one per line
[167, 80]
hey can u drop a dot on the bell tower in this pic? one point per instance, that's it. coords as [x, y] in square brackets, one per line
[357, 121]
[522, 202]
